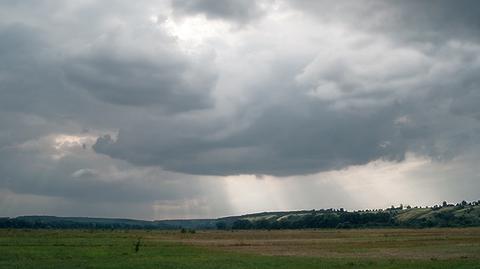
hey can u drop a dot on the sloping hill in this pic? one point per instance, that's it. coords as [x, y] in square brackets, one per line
[461, 215]
[446, 215]
[79, 223]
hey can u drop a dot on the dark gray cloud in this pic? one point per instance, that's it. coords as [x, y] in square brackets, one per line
[125, 65]
[76, 175]
[116, 70]
[231, 10]
[59, 76]
[282, 141]
[99, 100]
[417, 21]
[67, 77]
[371, 99]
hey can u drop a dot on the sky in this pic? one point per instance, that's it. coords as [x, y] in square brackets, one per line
[202, 108]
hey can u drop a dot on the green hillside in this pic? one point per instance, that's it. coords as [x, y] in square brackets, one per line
[463, 214]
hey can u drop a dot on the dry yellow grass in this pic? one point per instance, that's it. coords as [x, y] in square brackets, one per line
[446, 243]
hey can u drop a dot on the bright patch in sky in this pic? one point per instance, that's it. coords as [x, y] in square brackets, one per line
[194, 32]
[66, 141]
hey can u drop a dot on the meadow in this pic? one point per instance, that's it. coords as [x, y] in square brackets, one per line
[330, 248]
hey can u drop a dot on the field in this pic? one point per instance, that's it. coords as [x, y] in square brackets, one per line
[367, 248]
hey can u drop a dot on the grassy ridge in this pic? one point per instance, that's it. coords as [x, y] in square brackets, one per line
[447, 215]
[115, 249]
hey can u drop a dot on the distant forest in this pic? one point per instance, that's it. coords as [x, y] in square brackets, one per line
[446, 215]
[464, 214]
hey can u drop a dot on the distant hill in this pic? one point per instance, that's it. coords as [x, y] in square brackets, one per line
[463, 214]
[52, 222]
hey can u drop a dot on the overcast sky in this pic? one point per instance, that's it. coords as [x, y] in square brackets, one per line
[184, 108]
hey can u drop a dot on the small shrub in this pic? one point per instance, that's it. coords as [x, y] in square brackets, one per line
[137, 245]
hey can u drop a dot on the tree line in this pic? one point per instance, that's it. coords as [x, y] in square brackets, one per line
[464, 214]
[460, 215]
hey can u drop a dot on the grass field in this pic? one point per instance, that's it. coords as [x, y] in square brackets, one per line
[372, 248]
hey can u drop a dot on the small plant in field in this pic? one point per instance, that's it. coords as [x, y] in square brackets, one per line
[184, 231]
[137, 245]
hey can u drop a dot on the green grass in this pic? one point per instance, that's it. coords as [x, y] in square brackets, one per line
[413, 213]
[115, 249]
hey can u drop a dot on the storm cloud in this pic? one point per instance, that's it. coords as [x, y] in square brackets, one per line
[160, 105]
[358, 98]
[231, 10]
